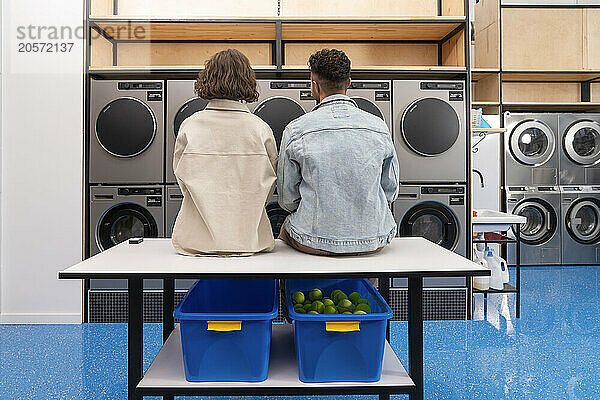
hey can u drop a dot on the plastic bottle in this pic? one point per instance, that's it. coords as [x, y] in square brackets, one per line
[496, 280]
[481, 282]
[503, 267]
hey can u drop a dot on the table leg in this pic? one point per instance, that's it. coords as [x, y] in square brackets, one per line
[518, 277]
[168, 306]
[470, 297]
[384, 290]
[415, 335]
[135, 339]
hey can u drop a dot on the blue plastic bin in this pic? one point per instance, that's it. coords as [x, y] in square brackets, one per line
[226, 329]
[327, 353]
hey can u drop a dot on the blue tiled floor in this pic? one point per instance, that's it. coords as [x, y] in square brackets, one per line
[552, 352]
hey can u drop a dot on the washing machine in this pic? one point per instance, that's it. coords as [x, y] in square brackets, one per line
[126, 141]
[580, 149]
[541, 234]
[118, 213]
[580, 222]
[430, 131]
[438, 213]
[531, 155]
[373, 97]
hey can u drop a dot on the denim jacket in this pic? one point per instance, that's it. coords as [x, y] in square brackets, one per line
[337, 175]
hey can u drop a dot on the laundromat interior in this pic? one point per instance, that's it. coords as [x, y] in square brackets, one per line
[488, 287]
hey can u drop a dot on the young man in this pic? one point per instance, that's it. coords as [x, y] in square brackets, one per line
[337, 171]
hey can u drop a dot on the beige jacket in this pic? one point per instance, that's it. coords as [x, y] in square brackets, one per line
[225, 161]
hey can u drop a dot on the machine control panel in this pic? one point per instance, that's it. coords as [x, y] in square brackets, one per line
[442, 190]
[370, 85]
[153, 201]
[139, 191]
[457, 200]
[140, 85]
[547, 189]
[442, 86]
[382, 96]
[154, 96]
[306, 95]
[290, 85]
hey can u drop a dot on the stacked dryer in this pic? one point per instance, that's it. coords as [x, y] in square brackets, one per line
[126, 156]
[531, 161]
[579, 178]
[430, 134]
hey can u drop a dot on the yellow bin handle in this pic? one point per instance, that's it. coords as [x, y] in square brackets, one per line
[224, 326]
[342, 326]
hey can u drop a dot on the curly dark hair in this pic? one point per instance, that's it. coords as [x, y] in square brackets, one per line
[331, 67]
[227, 75]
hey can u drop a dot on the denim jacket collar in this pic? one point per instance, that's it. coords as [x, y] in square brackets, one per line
[227, 105]
[336, 98]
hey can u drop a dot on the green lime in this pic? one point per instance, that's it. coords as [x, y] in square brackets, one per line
[307, 307]
[298, 298]
[312, 312]
[363, 307]
[315, 294]
[363, 301]
[359, 312]
[307, 302]
[318, 306]
[336, 291]
[355, 297]
[330, 310]
[340, 296]
[327, 302]
[345, 304]
[299, 308]
[325, 298]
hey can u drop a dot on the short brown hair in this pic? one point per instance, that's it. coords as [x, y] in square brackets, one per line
[331, 68]
[227, 75]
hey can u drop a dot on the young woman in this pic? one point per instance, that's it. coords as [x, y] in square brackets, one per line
[225, 161]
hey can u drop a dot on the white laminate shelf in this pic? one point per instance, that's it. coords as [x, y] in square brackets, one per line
[156, 258]
[166, 371]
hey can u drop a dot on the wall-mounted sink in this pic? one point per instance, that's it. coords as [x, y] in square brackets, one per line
[495, 221]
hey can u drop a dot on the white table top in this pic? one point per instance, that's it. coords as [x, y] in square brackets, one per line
[156, 258]
[166, 371]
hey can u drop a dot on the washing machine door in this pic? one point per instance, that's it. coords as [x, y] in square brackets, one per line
[190, 107]
[368, 106]
[582, 143]
[278, 112]
[532, 143]
[277, 216]
[126, 127]
[583, 221]
[429, 126]
[433, 221]
[124, 221]
[541, 221]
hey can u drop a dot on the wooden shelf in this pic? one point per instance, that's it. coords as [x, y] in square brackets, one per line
[488, 130]
[567, 107]
[550, 75]
[482, 73]
[317, 28]
[485, 104]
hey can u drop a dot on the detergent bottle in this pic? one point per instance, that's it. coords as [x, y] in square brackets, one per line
[503, 267]
[496, 280]
[481, 282]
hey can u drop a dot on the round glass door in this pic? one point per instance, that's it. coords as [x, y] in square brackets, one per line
[368, 106]
[277, 216]
[278, 112]
[125, 127]
[583, 221]
[190, 107]
[122, 222]
[582, 143]
[541, 221]
[430, 126]
[532, 143]
[432, 221]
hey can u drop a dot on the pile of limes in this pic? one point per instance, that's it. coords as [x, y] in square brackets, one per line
[337, 303]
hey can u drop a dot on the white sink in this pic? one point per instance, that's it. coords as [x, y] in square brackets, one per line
[495, 221]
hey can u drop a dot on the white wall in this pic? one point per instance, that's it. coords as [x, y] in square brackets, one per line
[42, 141]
